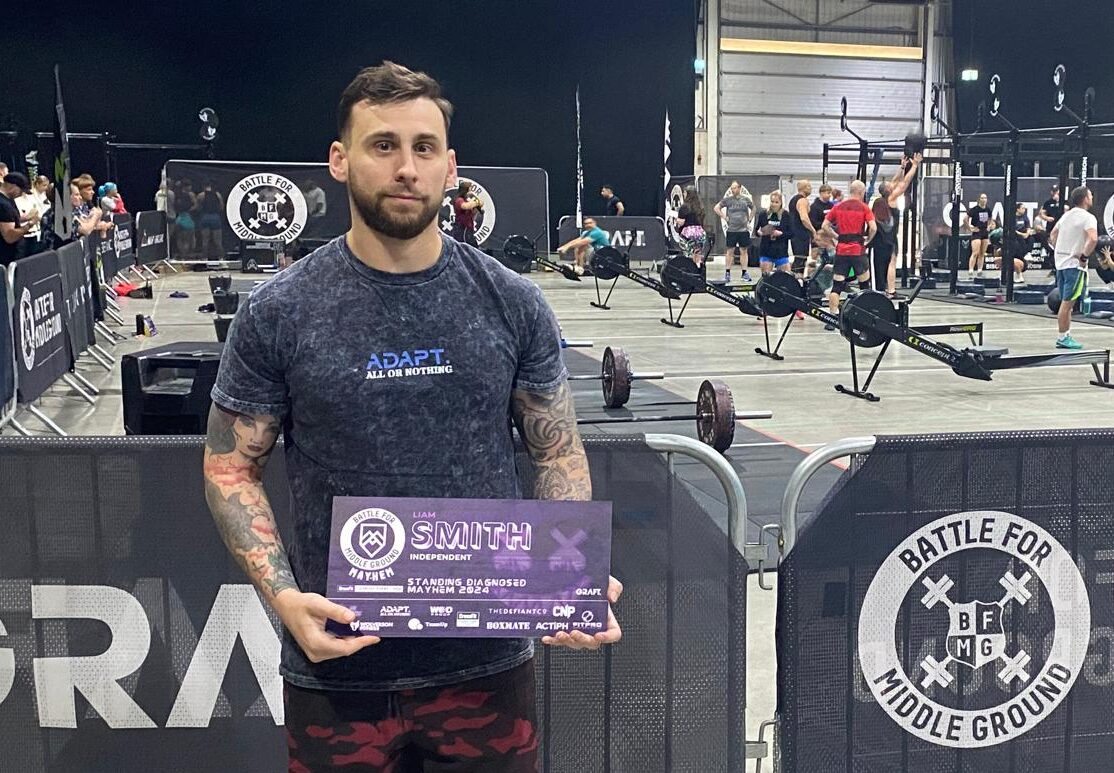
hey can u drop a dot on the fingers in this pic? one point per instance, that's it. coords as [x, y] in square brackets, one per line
[573, 640]
[322, 607]
[613, 633]
[614, 589]
[324, 646]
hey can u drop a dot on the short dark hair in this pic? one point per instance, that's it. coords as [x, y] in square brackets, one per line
[385, 84]
[1079, 195]
[607, 187]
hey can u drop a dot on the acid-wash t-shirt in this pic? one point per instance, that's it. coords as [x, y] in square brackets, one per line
[390, 385]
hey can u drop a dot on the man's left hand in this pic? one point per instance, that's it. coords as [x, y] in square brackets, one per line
[578, 640]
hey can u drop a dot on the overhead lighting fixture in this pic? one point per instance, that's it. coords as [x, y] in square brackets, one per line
[969, 75]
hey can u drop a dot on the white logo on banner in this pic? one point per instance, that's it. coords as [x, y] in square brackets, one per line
[485, 216]
[266, 206]
[1108, 215]
[372, 539]
[673, 204]
[27, 329]
[975, 635]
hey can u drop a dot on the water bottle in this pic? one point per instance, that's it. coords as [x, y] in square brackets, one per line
[1086, 303]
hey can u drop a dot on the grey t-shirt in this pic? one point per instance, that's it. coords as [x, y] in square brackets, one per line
[318, 344]
[738, 209]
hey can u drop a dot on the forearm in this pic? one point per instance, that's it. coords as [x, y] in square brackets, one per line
[240, 508]
[547, 425]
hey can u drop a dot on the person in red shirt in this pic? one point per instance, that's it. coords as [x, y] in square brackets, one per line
[846, 222]
[464, 214]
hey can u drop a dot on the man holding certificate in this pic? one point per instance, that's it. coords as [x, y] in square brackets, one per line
[390, 360]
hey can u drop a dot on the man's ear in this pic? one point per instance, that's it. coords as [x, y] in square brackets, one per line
[338, 162]
[451, 178]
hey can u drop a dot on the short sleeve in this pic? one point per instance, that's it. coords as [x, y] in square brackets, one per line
[540, 365]
[9, 215]
[251, 379]
[869, 214]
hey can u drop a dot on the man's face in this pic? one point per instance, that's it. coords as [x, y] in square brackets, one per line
[806, 190]
[605, 192]
[589, 223]
[9, 190]
[1055, 194]
[87, 193]
[397, 164]
[982, 200]
[1089, 201]
[75, 197]
[734, 189]
[825, 196]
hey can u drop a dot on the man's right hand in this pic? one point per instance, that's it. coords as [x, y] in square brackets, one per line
[305, 614]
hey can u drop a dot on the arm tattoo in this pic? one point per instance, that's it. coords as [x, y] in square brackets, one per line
[547, 424]
[234, 491]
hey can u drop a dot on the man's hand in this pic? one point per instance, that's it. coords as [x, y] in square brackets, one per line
[305, 614]
[578, 640]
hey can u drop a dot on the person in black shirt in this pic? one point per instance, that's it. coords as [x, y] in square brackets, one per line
[12, 227]
[773, 226]
[1050, 213]
[1023, 232]
[978, 220]
[801, 232]
[614, 203]
[211, 206]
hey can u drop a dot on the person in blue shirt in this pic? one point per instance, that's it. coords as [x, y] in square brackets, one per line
[584, 246]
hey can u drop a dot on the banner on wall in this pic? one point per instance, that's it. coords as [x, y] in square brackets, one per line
[642, 238]
[301, 202]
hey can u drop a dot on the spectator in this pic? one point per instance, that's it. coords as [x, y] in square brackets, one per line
[13, 229]
[85, 221]
[615, 206]
[211, 206]
[165, 202]
[185, 229]
[33, 201]
[112, 203]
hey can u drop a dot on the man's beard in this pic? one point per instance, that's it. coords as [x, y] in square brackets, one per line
[373, 211]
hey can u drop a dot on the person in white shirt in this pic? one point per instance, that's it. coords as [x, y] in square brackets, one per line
[34, 201]
[1073, 239]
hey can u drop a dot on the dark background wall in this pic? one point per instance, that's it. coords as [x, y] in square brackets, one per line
[1023, 40]
[274, 72]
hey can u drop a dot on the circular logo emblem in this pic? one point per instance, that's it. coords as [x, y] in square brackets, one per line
[673, 203]
[27, 329]
[974, 635]
[372, 539]
[485, 215]
[1108, 215]
[266, 206]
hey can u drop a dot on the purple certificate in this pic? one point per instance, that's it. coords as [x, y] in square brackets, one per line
[470, 567]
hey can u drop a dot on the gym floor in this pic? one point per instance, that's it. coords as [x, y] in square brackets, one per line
[918, 394]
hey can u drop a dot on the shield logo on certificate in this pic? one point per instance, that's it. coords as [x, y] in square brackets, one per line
[373, 538]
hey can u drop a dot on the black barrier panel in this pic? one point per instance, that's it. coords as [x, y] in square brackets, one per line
[262, 201]
[77, 294]
[102, 248]
[642, 237]
[150, 238]
[950, 608]
[42, 350]
[123, 240]
[7, 353]
[109, 549]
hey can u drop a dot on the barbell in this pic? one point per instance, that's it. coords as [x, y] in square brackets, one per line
[616, 376]
[715, 415]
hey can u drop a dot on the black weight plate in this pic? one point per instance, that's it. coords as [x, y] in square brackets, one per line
[870, 302]
[682, 275]
[771, 289]
[616, 377]
[715, 415]
[608, 263]
[518, 253]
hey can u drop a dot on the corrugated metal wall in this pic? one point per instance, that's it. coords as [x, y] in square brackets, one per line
[777, 110]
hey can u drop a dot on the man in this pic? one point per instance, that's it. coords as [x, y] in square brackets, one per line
[1073, 238]
[13, 226]
[615, 206]
[3, 170]
[801, 232]
[823, 252]
[885, 210]
[392, 283]
[1050, 213]
[845, 224]
[84, 221]
[465, 207]
[735, 210]
[584, 246]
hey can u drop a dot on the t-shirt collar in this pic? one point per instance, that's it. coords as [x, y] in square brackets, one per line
[384, 277]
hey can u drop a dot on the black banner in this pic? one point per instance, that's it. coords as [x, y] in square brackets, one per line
[131, 643]
[295, 201]
[78, 297]
[123, 236]
[950, 608]
[673, 198]
[7, 354]
[150, 238]
[42, 351]
[643, 236]
[102, 251]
